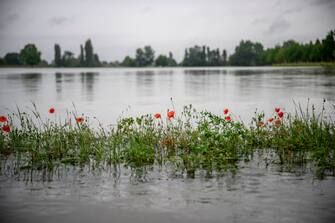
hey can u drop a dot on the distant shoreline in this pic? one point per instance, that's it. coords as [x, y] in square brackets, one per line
[307, 64]
[302, 64]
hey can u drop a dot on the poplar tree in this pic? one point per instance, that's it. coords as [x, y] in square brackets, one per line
[58, 56]
[89, 55]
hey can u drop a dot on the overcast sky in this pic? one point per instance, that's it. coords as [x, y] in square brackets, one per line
[118, 27]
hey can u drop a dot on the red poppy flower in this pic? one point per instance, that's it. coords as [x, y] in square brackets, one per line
[157, 115]
[261, 124]
[228, 118]
[170, 114]
[6, 128]
[280, 114]
[270, 120]
[277, 110]
[225, 111]
[79, 119]
[3, 119]
[52, 110]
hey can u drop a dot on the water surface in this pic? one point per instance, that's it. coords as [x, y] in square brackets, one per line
[253, 194]
[107, 93]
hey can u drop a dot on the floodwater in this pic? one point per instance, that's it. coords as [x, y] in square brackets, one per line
[253, 194]
[109, 93]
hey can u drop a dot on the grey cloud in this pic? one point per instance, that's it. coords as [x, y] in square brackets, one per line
[57, 20]
[328, 4]
[292, 11]
[258, 21]
[324, 2]
[9, 19]
[12, 17]
[279, 25]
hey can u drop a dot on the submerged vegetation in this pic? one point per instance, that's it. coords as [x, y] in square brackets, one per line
[187, 142]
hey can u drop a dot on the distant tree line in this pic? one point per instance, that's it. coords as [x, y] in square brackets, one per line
[146, 57]
[28, 56]
[204, 56]
[247, 53]
[86, 58]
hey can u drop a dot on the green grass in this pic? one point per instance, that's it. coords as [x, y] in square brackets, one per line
[190, 142]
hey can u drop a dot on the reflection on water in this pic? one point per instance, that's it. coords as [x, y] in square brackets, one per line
[59, 80]
[69, 81]
[106, 93]
[88, 80]
[204, 72]
[204, 82]
[144, 82]
[31, 81]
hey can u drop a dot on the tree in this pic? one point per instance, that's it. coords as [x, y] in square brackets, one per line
[328, 47]
[247, 53]
[149, 54]
[224, 57]
[203, 56]
[194, 56]
[162, 61]
[58, 56]
[43, 63]
[69, 60]
[186, 60]
[128, 62]
[82, 56]
[316, 51]
[30, 55]
[172, 62]
[96, 61]
[89, 55]
[12, 59]
[145, 57]
[140, 58]
[2, 61]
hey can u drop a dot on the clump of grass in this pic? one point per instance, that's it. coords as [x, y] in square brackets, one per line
[189, 142]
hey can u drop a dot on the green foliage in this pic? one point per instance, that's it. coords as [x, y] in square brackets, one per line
[203, 56]
[89, 55]
[2, 61]
[128, 62]
[96, 61]
[82, 56]
[12, 59]
[149, 55]
[68, 60]
[328, 47]
[58, 56]
[145, 57]
[247, 54]
[294, 52]
[164, 61]
[30, 55]
[191, 143]
[43, 63]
